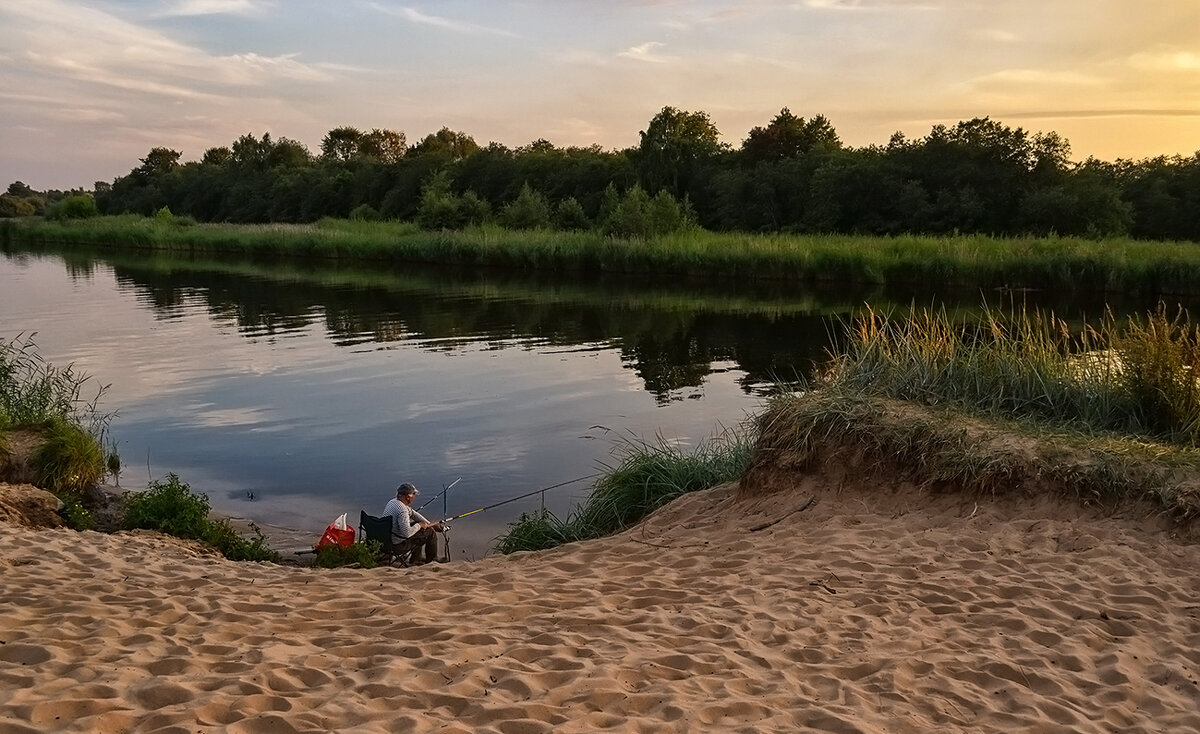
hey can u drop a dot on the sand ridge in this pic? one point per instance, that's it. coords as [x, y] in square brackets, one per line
[844, 612]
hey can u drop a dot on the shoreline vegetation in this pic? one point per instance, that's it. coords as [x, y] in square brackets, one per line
[1067, 264]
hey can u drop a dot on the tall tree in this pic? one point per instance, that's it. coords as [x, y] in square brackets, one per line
[19, 188]
[157, 162]
[341, 143]
[448, 143]
[385, 146]
[251, 152]
[288, 153]
[674, 146]
[788, 136]
[217, 156]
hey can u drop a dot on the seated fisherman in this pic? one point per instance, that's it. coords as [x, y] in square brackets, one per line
[410, 529]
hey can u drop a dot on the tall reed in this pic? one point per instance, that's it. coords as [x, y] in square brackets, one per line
[33, 391]
[1135, 376]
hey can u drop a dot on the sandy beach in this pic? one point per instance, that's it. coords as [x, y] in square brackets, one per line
[815, 608]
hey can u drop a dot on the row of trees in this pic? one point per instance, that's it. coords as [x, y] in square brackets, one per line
[792, 174]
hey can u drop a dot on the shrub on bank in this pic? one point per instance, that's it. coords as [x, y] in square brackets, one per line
[646, 477]
[42, 398]
[529, 210]
[77, 206]
[13, 206]
[363, 555]
[69, 459]
[170, 506]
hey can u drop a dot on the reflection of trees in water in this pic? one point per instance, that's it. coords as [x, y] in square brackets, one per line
[670, 341]
[671, 334]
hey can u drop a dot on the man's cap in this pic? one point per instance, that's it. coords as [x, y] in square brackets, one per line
[406, 488]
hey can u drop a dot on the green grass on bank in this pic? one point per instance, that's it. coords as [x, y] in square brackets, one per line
[975, 261]
[645, 477]
[47, 402]
[869, 437]
[1134, 376]
[1107, 414]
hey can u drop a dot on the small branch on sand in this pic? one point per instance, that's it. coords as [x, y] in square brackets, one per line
[824, 583]
[811, 500]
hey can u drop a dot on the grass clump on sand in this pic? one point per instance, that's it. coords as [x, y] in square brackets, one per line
[363, 554]
[646, 477]
[1138, 376]
[45, 400]
[170, 506]
[1106, 413]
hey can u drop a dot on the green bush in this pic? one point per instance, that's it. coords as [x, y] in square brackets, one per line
[170, 506]
[74, 514]
[535, 531]
[365, 554]
[14, 206]
[440, 208]
[529, 210]
[69, 459]
[365, 213]
[473, 209]
[638, 215]
[630, 217]
[76, 206]
[222, 536]
[569, 215]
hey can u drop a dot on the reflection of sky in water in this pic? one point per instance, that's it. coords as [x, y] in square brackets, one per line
[314, 429]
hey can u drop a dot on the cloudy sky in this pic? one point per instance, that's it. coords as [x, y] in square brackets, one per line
[89, 86]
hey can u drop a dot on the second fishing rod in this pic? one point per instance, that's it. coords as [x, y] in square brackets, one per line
[514, 499]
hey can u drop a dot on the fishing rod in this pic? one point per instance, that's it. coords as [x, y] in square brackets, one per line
[520, 497]
[445, 489]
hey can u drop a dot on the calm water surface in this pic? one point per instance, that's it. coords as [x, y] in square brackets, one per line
[291, 393]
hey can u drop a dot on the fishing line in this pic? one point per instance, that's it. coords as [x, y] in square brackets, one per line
[439, 494]
[523, 496]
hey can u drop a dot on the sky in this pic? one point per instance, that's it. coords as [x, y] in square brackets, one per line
[89, 87]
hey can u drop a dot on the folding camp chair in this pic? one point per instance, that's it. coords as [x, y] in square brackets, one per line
[379, 529]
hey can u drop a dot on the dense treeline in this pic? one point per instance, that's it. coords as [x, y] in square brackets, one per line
[790, 175]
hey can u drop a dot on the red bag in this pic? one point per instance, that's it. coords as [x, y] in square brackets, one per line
[337, 534]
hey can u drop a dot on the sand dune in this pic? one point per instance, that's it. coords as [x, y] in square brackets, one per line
[879, 612]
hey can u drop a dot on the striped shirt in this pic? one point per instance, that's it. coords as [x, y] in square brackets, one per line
[404, 518]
